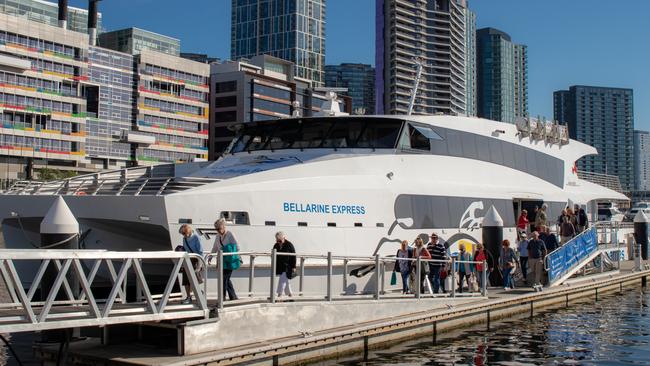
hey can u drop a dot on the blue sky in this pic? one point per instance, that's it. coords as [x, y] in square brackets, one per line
[591, 42]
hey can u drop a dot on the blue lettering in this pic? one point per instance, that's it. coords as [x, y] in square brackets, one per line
[363, 210]
[285, 206]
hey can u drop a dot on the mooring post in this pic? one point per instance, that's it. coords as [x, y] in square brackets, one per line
[273, 267]
[641, 233]
[492, 234]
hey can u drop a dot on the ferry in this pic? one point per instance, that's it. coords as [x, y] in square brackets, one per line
[350, 185]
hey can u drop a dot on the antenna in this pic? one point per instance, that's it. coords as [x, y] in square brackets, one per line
[418, 76]
[331, 106]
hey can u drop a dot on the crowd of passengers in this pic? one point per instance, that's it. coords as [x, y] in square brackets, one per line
[535, 240]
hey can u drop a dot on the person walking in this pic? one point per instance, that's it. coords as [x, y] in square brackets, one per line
[522, 222]
[480, 255]
[438, 252]
[536, 254]
[507, 263]
[567, 230]
[420, 251]
[191, 244]
[550, 240]
[285, 265]
[226, 242]
[583, 220]
[522, 248]
[464, 269]
[403, 265]
[540, 218]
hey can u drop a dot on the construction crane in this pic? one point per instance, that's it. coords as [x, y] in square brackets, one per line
[414, 92]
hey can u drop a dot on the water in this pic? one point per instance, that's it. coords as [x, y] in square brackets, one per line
[613, 331]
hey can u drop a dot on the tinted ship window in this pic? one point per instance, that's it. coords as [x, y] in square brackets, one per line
[311, 133]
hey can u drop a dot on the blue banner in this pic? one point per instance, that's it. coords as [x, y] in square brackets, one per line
[570, 254]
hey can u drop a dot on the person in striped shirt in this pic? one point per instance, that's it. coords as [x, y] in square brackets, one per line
[438, 252]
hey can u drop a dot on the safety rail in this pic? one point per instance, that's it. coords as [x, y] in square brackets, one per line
[379, 262]
[69, 299]
[153, 180]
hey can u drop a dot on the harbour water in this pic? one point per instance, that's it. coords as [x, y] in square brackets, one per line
[613, 331]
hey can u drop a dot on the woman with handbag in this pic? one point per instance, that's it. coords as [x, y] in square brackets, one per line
[285, 264]
[403, 265]
[507, 264]
[421, 251]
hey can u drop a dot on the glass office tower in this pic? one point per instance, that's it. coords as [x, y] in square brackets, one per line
[293, 30]
[359, 79]
[134, 40]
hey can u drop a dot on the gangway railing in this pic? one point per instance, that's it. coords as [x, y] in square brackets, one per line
[377, 267]
[68, 298]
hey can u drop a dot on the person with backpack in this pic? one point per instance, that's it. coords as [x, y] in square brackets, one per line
[192, 245]
[285, 265]
[226, 242]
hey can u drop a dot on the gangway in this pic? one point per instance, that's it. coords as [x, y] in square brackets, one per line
[577, 254]
[68, 298]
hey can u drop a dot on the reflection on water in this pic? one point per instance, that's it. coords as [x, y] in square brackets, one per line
[613, 331]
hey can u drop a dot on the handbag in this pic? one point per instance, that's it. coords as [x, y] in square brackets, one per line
[393, 279]
[473, 283]
[443, 273]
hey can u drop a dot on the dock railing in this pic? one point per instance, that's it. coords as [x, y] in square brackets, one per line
[378, 263]
[69, 299]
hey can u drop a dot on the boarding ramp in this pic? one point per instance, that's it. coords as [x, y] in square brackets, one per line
[581, 254]
[68, 297]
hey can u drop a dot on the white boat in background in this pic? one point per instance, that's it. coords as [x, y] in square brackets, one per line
[351, 185]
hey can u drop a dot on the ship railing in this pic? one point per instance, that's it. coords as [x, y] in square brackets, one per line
[68, 297]
[111, 185]
[376, 266]
[606, 180]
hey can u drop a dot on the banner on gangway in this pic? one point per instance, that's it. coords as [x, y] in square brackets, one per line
[570, 254]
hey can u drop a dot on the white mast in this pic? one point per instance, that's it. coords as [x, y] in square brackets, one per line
[418, 76]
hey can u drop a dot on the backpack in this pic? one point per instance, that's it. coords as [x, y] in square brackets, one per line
[231, 262]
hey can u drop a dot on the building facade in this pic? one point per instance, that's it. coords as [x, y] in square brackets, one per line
[134, 40]
[602, 117]
[521, 81]
[293, 30]
[502, 76]
[471, 92]
[70, 106]
[641, 160]
[433, 31]
[46, 12]
[359, 79]
[261, 89]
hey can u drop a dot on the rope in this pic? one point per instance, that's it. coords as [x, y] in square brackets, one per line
[22, 229]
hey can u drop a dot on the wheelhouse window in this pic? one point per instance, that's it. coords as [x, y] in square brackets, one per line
[417, 137]
[313, 133]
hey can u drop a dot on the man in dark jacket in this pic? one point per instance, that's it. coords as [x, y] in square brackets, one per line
[550, 240]
[438, 252]
[285, 265]
[536, 254]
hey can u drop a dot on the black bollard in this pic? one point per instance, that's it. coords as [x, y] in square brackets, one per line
[59, 230]
[641, 233]
[492, 235]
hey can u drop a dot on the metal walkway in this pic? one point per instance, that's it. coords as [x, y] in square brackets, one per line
[68, 299]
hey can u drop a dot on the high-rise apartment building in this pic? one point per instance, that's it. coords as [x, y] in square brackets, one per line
[133, 40]
[293, 30]
[470, 63]
[263, 88]
[46, 12]
[502, 76]
[602, 117]
[642, 160]
[521, 81]
[69, 105]
[433, 31]
[359, 79]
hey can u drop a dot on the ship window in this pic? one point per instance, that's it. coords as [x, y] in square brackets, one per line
[419, 137]
[302, 224]
[269, 223]
[235, 217]
[358, 224]
[331, 224]
[380, 224]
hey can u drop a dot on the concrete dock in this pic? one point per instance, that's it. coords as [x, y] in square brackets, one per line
[309, 330]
